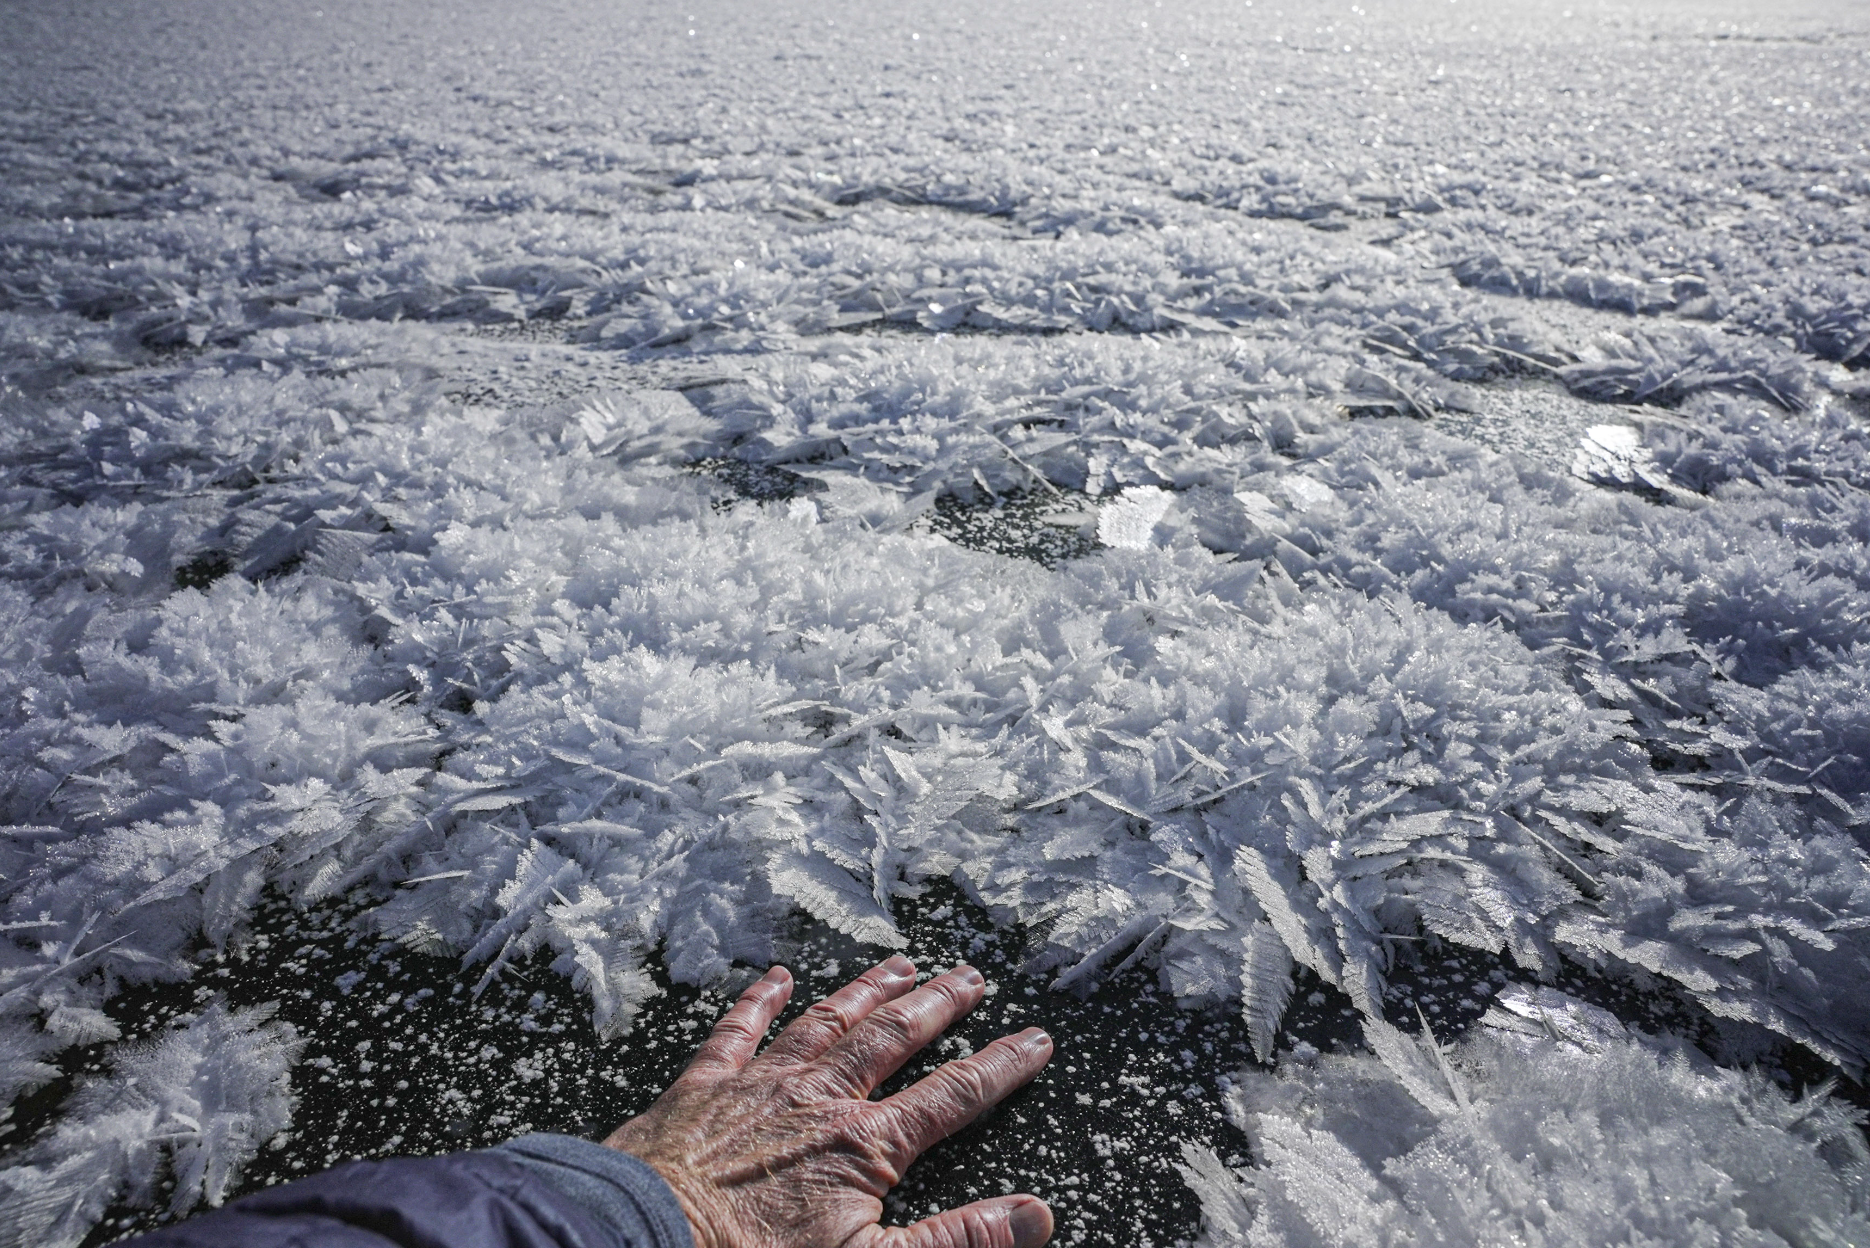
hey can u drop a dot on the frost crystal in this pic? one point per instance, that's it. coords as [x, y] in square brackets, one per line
[1128, 521]
[556, 529]
[194, 1106]
[1531, 1139]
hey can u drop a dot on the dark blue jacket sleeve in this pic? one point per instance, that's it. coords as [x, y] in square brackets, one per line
[539, 1191]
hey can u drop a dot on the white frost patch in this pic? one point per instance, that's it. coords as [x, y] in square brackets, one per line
[197, 1103]
[1532, 1142]
[1548, 1014]
[634, 425]
[1306, 493]
[1129, 521]
[1615, 455]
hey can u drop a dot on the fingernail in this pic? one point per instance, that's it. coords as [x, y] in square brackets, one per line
[899, 967]
[968, 975]
[1031, 1224]
[776, 974]
[1036, 1040]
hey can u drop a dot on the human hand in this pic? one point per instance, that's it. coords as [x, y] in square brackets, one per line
[785, 1150]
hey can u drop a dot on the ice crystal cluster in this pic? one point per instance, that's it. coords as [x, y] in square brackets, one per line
[356, 375]
[1552, 1126]
[194, 1106]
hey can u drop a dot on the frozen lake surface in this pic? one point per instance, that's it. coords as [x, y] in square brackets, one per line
[1324, 546]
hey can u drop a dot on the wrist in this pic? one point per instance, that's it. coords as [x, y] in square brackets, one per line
[624, 1193]
[705, 1223]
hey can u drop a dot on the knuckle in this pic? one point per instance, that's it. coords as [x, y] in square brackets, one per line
[967, 1227]
[844, 1083]
[895, 1134]
[825, 1011]
[981, 1229]
[953, 989]
[847, 1067]
[801, 1093]
[868, 1134]
[848, 1132]
[897, 1021]
[918, 1124]
[735, 1026]
[1005, 1055]
[826, 1015]
[967, 1081]
[754, 999]
[872, 1143]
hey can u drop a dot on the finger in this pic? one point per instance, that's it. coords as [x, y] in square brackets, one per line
[875, 1048]
[938, 1106]
[1003, 1222]
[827, 1022]
[736, 1037]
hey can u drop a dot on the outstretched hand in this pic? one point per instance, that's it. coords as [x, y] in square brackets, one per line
[786, 1150]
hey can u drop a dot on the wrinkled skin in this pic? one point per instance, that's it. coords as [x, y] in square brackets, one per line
[786, 1150]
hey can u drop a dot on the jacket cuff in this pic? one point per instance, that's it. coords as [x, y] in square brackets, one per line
[620, 1191]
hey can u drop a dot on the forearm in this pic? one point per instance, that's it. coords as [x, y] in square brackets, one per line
[539, 1191]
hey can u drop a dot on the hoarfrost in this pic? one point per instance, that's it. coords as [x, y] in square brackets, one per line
[1530, 1138]
[353, 542]
[194, 1106]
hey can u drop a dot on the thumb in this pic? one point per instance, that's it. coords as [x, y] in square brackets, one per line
[1004, 1222]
